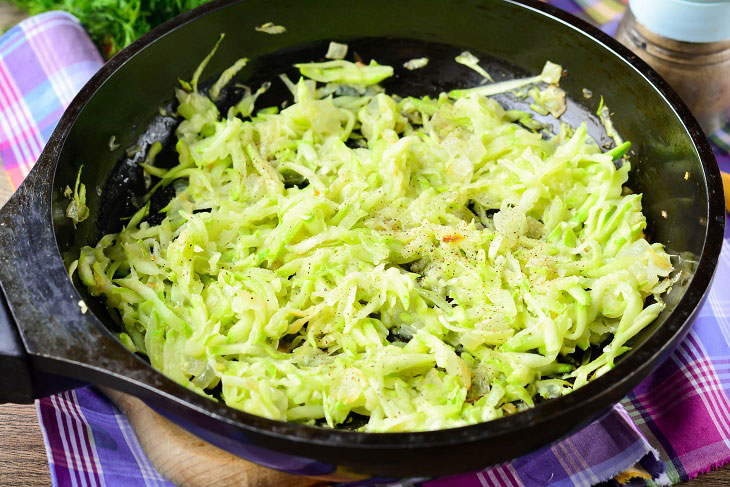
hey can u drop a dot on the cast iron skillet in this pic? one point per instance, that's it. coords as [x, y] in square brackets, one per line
[46, 340]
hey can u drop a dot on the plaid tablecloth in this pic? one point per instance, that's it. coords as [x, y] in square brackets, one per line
[676, 424]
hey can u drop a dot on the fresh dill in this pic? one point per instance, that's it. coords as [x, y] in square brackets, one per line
[113, 24]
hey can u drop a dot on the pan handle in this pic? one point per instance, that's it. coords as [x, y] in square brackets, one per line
[16, 383]
[51, 344]
[20, 382]
[22, 378]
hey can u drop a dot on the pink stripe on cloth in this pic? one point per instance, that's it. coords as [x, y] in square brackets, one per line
[61, 472]
[44, 61]
[77, 436]
[86, 435]
[699, 367]
[17, 123]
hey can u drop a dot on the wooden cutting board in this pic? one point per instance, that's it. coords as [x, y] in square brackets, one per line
[187, 461]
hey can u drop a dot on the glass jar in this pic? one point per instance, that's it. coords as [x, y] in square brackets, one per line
[688, 43]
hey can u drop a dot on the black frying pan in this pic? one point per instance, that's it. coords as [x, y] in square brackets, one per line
[46, 342]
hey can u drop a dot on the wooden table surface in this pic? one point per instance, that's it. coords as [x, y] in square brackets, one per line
[23, 459]
[23, 456]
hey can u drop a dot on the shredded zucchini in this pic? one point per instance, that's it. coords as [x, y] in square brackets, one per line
[336, 51]
[416, 63]
[426, 263]
[77, 211]
[271, 28]
[345, 72]
[470, 60]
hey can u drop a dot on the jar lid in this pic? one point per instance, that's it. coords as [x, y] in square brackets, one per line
[685, 20]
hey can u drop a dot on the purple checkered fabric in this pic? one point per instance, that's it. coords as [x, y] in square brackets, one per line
[675, 425]
[44, 61]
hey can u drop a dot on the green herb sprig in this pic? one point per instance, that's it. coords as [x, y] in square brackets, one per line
[114, 24]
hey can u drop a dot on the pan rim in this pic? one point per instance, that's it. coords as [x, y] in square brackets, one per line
[596, 394]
